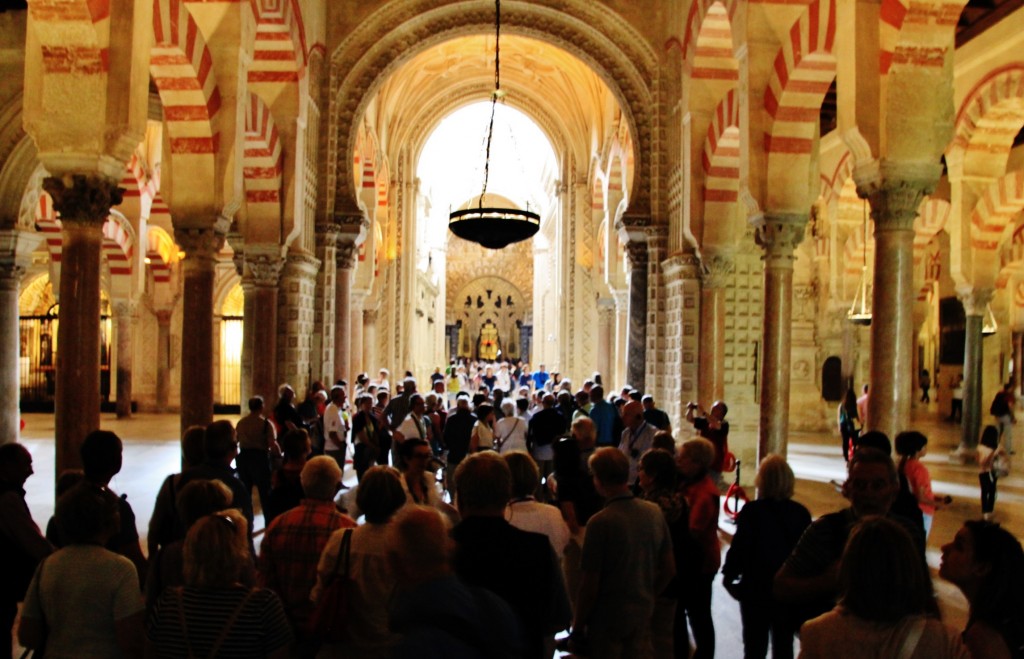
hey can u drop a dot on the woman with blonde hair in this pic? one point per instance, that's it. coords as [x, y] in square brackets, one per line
[885, 603]
[767, 530]
[214, 614]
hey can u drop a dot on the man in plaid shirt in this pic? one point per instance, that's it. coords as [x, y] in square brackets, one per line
[294, 540]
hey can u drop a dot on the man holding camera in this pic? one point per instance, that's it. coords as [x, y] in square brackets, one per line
[713, 427]
[637, 436]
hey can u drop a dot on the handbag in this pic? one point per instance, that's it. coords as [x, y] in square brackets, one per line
[329, 620]
[1001, 465]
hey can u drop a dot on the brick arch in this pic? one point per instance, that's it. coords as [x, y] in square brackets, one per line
[261, 162]
[710, 47]
[118, 245]
[383, 42]
[931, 219]
[721, 157]
[699, 11]
[73, 35]
[803, 71]
[1000, 202]
[279, 49]
[182, 69]
[991, 115]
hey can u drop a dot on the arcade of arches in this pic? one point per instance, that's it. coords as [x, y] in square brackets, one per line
[201, 200]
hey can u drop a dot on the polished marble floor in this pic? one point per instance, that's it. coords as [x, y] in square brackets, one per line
[151, 452]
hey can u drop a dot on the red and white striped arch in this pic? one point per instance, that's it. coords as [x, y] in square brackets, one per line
[279, 52]
[931, 219]
[803, 71]
[48, 225]
[261, 163]
[991, 116]
[891, 15]
[73, 35]
[832, 186]
[182, 68]
[713, 57]
[118, 236]
[856, 248]
[700, 10]
[993, 213]
[721, 157]
[161, 252]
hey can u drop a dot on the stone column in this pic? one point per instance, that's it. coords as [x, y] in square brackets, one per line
[201, 247]
[779, 234]
[326, 296]
[84, 202]
[715, 271]
[124, 316]
[10, 351]
[621, 339]
[894, 203]
[636, 352]
[1018, 360]
[260, 285]
[163, 359]
[975, 302]
[370, 361]
[355, 361]
[605, 339]
[346, 260]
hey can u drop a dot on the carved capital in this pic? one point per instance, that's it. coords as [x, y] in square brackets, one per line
[369, 316]
[263, 270]
[327, 233]
[163, 316]
[199, 243]
[125, 309]
[975, 300]
[10, 276]
[715, 270]
[353, 226]
[301, 265]
[636, 252]
[780, 234]
[633, 228]
[896, 193]
[83, 199]
[346, 255]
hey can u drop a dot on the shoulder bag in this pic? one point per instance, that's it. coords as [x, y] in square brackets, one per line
[329, 620]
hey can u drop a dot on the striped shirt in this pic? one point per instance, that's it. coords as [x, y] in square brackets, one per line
[260, 628]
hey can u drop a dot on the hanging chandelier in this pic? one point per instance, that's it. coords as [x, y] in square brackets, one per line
[860, 310]
[493, 227]
[989, 325]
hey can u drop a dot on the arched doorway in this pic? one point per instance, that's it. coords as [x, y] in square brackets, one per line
[228, 398]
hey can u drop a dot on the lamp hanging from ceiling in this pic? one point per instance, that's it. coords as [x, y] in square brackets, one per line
[989, 325]
[860, 310]
[493, 227]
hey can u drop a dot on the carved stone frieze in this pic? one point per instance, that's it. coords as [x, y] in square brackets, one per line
[83, 199]
[199, 243]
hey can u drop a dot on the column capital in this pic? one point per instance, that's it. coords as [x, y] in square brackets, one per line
[199, 243]
[975, 300]
[636, 252]
[301, 264]
[633, 228]
[124, 308]
[715, 270]
[780, 234]
[83, 199]
[262, 269]
[346, 254]
[896, 190]
[356, 224]
[369, 316]
[10, 276]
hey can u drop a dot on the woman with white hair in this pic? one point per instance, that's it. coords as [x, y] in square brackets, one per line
[510, 431]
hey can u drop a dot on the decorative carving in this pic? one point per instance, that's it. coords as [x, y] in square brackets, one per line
[780, 234]
[975, 300]
[83, 199]
[637, 254]
[10, 276]
[369, 316]
[716, 270]
[263, 269]
[896, 193]
[346, 255]
[125, 309]
[199, 243]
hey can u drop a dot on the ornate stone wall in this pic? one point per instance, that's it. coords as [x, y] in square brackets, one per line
[744, 317]
[296, 321]
[467, 261]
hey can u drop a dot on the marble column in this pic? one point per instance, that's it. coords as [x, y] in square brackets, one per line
[124, 316]
[201, 247]
[975, 303]
[346, 260]
[605, 338]
[84, 201]
[621, 340]
[260, 284]
[355, 361]
[163, 359]
[10, 351]
[715, 273]
[370, 361]
[779, 234]
[636, 352]
[894, 204]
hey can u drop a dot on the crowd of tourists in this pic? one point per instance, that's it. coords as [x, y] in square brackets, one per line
[503, 513]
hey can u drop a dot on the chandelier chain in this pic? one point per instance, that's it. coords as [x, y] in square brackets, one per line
[494, 97]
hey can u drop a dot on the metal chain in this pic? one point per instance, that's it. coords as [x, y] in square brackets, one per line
[494, 96]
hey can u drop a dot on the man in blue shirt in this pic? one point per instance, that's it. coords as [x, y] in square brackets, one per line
[540, 377]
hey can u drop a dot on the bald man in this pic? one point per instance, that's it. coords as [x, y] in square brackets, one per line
[637, 437]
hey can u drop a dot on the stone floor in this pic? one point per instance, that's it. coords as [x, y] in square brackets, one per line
[151, 452]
